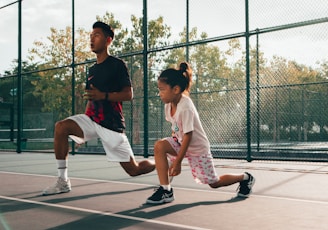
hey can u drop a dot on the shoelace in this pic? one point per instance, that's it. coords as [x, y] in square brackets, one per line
[157, 188]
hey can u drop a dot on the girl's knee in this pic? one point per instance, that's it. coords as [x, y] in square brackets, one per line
[215, 184]
[160, 147]
[158, 144]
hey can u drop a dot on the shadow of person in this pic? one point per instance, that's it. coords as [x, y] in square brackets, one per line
[162, 211]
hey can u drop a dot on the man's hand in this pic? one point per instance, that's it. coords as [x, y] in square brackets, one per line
[94, 94]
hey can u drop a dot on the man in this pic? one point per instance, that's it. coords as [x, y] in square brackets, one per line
[107, 86]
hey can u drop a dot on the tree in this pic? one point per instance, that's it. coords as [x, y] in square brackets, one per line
[8, 87]
[292, 100]
[55, 86]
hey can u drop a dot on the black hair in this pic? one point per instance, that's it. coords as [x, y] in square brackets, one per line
[107, 29]
[181, 77]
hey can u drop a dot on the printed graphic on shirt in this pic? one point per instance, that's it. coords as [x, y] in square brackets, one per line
[108, 76]
[176, 127]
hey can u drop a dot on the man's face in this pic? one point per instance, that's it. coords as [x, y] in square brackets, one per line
[98, 41]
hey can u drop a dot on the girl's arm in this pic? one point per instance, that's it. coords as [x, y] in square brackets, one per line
[175, 169]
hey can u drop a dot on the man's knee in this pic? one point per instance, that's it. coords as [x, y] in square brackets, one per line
[59, 126]
[68, 127]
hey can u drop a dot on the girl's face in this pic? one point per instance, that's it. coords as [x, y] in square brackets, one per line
[166, 93]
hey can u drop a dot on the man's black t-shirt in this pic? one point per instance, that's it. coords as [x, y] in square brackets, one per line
[109, 76]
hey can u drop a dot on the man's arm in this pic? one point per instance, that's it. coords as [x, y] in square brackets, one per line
[94, 94]
[125, 95]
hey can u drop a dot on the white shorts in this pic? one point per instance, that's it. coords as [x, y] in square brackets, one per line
[116, 145]
[202, 167]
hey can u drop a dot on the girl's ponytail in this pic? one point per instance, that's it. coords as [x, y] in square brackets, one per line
[186, 72]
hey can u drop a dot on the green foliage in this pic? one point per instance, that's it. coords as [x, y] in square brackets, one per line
[8, 86]
[286, 96]
[54, 86]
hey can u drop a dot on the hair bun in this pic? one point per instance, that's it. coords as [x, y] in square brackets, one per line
[183, 66]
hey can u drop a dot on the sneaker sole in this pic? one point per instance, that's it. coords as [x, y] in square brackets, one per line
[55, 193]
[166, 200]
[242, 195]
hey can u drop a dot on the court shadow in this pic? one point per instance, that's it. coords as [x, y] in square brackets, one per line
[13, 206]
[169, 208]
[87, 196]
[115, 222]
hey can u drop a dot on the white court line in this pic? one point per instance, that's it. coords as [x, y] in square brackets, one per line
[102, 213]
[292, 199]
[180, 188]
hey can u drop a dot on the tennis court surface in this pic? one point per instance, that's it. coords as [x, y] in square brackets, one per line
[286, 195]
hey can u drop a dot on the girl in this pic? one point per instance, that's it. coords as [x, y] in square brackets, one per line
[188, 140]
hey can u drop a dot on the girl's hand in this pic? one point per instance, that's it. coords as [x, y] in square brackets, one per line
[175, 169]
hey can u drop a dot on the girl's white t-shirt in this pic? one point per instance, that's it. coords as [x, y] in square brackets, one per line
[185, 120]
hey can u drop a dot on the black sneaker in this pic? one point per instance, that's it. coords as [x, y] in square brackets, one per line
[245, 186]
[161, 196]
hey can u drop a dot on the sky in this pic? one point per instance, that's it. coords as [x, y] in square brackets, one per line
[306, 45]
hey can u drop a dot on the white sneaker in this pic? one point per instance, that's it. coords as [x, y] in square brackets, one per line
[61, 186]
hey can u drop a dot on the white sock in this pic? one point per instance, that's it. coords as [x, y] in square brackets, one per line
[62, 169]
[167, 187]
[246, 177]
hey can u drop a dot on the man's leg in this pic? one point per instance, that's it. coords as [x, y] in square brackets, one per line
[134, 168]
[63, 129]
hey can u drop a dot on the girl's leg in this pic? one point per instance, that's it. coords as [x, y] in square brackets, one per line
[161, 149]
[164, 193]
[204, 172]
[246, 182]
[227, 179]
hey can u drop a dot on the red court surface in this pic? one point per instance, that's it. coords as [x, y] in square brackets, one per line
[286, 195]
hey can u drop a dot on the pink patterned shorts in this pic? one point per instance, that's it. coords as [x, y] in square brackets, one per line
[202, 167]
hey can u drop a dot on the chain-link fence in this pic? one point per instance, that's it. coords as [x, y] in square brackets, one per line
[260, 74]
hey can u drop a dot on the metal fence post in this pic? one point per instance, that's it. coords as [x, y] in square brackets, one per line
[248, 104]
